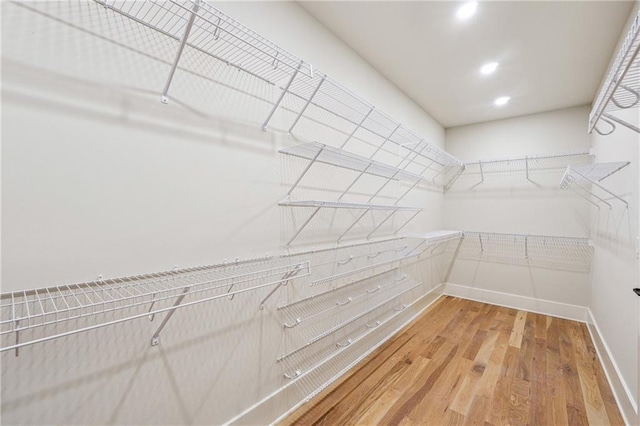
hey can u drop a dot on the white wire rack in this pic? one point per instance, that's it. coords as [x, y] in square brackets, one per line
[53, 312]
[527, 164]
[543, 251]
[621, 89]
[579, 178]
[346, 205]
[326, 154]
[317, 97]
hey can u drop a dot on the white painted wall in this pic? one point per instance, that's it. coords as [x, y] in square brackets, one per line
[508, 203]
[614, 310]
[99, 177]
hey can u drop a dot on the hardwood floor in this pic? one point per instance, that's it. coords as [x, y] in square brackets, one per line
[465, 362]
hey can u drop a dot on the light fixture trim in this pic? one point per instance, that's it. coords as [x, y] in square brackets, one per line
[467, 10]
[489, 68]
[502, 100]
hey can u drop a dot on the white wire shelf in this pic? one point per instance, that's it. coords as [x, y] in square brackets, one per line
[345, 323]
[579, 178]
[318, 98]
[621, 89]
[326, 154]
[347, 205]
[544, 251]
[300, 374]
[54, 308]
[529, 163]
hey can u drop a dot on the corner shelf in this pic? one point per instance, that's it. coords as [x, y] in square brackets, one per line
[621, 89]
[592, 174]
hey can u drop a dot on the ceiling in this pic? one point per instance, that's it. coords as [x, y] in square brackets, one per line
[552, 55]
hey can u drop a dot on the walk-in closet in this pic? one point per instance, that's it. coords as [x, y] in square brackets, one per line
[320, 212]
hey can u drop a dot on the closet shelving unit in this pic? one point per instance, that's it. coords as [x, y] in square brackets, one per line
[527, 164]
[42, 314]
[337, 316]
[546, 251]
[579, 178]
[622, 86]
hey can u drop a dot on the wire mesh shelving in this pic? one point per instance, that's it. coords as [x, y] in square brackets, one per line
[53, 312]
[544, 251]
[579, 178]
[621, 89]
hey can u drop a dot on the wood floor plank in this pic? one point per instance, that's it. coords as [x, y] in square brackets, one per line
[466, 362]
[518, 330]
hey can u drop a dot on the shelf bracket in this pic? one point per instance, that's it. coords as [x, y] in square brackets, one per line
[283, 282]
[281, 97]
[526, 247]
[155, 339]
[407, 222]
[304, 172]
[526, 165]
[183, 41]
[304, 108]
[481, 172]
[481, 245]
[303, 226]
[357, 127]
[380, 224]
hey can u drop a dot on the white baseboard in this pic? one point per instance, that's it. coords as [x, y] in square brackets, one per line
[621, 391]
[263, 409]
[546, 307]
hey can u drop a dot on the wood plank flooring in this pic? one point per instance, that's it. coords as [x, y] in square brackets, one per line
[463, 362]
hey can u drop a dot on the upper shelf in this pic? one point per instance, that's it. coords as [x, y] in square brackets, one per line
[312, 97]
[347, 205]
[531, 162]
[326, 154]
[621, 89]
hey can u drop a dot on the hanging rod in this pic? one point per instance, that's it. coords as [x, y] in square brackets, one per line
[345, 323]
[23, 310]
[621, 89]
[592, 174]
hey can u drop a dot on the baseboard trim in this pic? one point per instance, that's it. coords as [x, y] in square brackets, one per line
[524, 303]
[621, 391]
[428, 298]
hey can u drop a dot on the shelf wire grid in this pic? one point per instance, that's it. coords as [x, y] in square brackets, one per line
[543, 251]
[346, 205]
[42, 307]
[326, 154]
[558, 161]
[591, 172]
[621, 89]
[221, 37]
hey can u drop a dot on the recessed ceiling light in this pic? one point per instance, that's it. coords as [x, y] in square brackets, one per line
[502, 100]
[467, 10]
[489, 68]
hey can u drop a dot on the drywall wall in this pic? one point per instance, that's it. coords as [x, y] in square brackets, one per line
[614, 311]
[507, 202]
[100, 178]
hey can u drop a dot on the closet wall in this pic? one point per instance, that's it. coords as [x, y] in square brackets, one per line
[100, 178]
[614, 310]
[506, 202]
